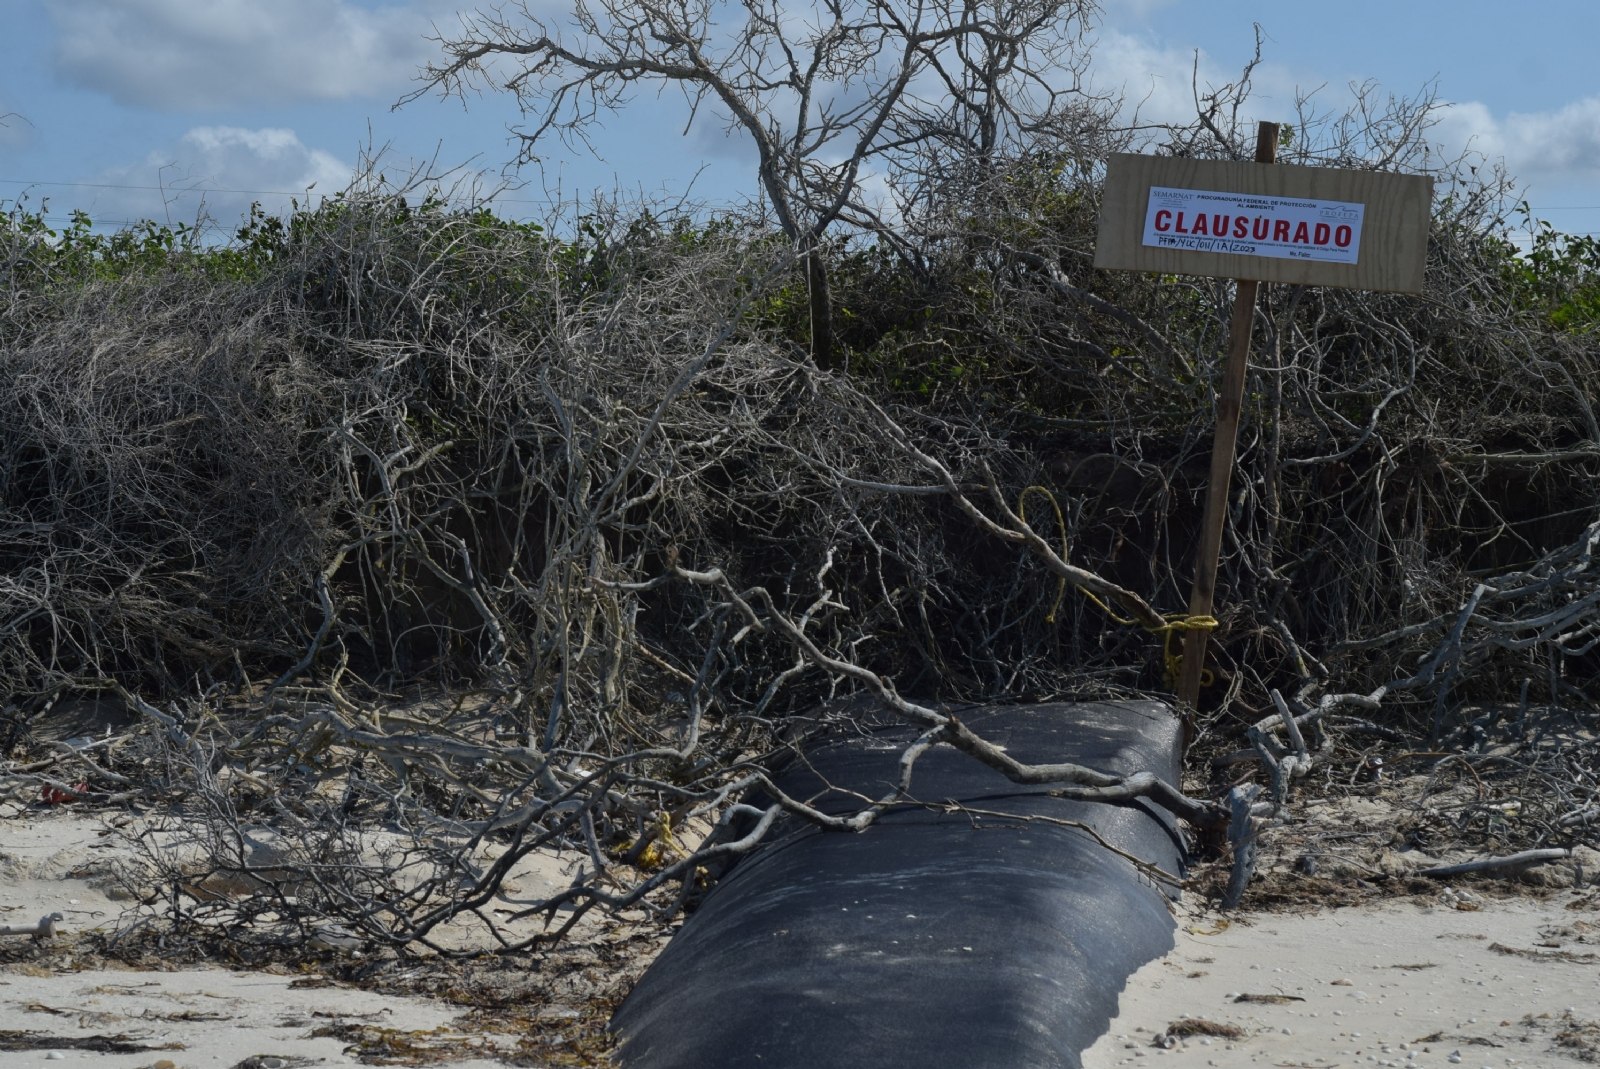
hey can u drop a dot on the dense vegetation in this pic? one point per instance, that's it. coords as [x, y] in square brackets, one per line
[386, 440]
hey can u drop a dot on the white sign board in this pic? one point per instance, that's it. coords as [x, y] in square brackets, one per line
[1199, 220]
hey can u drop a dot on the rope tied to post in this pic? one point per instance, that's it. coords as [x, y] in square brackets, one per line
[1175, 623]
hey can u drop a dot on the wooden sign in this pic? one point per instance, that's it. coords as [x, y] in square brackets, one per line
[1316, 226]
[1255, 222]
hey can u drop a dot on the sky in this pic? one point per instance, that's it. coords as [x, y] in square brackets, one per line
[165, 109]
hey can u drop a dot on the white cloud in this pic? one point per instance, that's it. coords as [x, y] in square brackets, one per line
[1158, 83]
[1143, 8]
[1548, 147]
[222, 169]
[200, 55]
[1153, 80]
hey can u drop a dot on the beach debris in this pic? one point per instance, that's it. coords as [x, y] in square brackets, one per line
[1589, 815]
[120, 1043]
[1490, 864]
[61, 794]
[1579, 1035]
[1584, 957]
[1199, 1026]
[43, 930]
[396, 1046]
[335, 937]
[1244, 828]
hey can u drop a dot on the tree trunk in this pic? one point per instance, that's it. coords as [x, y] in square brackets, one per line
[821, 309]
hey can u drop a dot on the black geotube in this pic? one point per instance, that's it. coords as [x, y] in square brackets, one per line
[939, 938]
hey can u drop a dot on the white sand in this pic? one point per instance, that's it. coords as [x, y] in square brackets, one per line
[1469, 991]
[248, 1014]
[60, 860]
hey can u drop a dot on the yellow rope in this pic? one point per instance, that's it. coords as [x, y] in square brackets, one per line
[1175, 624]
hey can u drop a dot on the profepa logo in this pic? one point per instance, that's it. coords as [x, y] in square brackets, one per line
[1344, 213]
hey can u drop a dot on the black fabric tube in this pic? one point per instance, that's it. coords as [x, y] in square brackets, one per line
[933, 939]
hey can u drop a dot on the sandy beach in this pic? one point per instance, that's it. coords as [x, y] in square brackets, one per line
[1477, 982]
[199, 1018]
[62, 1003]
[1498, 975]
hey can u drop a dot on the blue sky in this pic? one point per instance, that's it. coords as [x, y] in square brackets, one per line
[151, 106]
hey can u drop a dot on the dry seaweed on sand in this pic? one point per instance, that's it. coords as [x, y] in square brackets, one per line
[1199, 1026]
[1546, 955]
[112, 1044]
[1580, 1035]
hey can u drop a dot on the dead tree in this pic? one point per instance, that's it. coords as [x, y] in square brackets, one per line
[830, 95]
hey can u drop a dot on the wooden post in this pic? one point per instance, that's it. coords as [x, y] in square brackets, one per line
[1230, 397]
[821, 302]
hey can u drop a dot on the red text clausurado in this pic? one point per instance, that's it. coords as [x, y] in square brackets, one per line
[1259, 228]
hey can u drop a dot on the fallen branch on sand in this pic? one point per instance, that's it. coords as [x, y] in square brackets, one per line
[1492, 864]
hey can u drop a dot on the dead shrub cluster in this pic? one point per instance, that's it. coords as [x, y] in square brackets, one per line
[586, 481]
